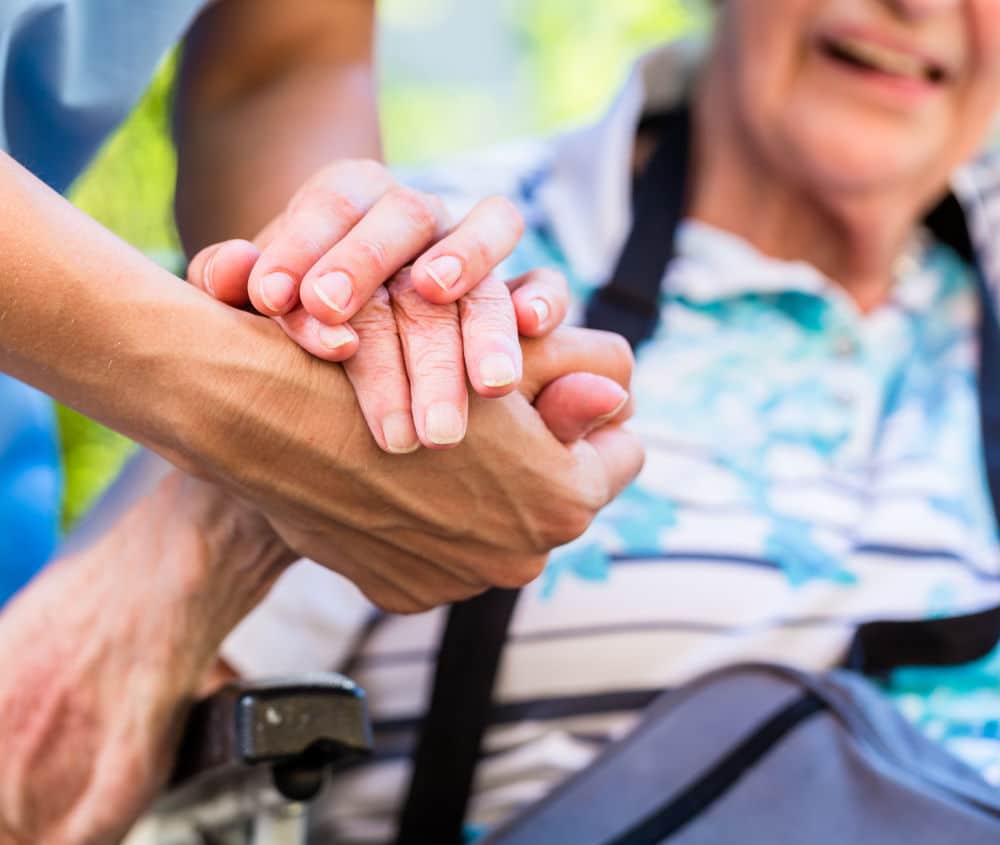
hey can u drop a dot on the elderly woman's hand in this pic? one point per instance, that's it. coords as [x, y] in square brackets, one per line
[105, 651]
[335, 256]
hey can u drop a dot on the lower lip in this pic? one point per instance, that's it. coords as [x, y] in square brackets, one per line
[906, 89]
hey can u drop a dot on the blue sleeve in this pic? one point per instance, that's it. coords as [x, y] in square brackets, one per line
[30, 484]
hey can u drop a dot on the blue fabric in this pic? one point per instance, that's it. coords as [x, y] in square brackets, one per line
[71, 70]
[30, 484]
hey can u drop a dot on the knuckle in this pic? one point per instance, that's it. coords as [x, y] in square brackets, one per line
[415, 315]
[573, 523]
[479, 250]
[400, 286]
[307, 232]
[439, 210]
[620, 354]
[489, 298]
[348, 170]
[517, 572]
[375, 317]
[439, 365]
[374, 255]
[492, 319]
[418, 208]
[335, 205]
[367, 168]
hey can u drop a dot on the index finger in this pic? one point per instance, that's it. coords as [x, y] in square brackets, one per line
[461, 260]
[322, 213]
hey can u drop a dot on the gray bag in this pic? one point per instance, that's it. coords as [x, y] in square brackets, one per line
[766, 754]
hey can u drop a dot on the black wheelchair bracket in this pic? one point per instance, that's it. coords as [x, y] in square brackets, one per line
[297, 727]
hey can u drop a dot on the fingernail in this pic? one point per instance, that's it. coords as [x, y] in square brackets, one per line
[399, 433]
[606, 418]
[209, 271]
[334, 290]
[445, 271]
[541, 309]
[444, 424]
[333, 337]
[497, 370]
[276, 289]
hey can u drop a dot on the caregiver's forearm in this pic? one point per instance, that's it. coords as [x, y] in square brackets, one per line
[92, 322]
[268, 94]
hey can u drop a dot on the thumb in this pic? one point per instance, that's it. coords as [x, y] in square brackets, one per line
[574, 405]
[222, 270]
[572, 350]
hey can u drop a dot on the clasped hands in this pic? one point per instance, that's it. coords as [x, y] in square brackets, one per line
[299, 450]
[363, 271]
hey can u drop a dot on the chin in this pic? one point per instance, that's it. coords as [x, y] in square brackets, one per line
[832, 156]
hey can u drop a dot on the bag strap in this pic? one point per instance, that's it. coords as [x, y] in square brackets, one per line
[448, 748]
[474, 635]
[630, 303]
[878, 647]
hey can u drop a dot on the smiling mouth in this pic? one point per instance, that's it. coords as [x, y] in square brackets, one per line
[865, 55]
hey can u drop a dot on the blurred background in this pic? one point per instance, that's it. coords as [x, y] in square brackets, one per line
[454, 75]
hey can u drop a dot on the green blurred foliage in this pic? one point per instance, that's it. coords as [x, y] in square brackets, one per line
[567, 59]
[129, 186]
[577, 53]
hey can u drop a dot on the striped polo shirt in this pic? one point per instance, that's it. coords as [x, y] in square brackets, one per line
[809, 467]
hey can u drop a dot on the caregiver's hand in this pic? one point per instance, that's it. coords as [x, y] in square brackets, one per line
[418, 530]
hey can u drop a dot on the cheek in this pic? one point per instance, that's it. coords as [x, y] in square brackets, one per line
[762, 49]
[827, 141]
[984, 25]
[979, 107]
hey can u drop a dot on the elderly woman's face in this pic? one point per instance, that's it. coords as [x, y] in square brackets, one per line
[862, 94]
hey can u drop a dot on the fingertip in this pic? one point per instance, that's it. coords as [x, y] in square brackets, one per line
[425, 284]
[274, 294]
[227, 271]
[399, 434]
[534, 314]
[329, 298]
[196, 267]
[617, 414]
[338, 343]
[498, 370]
[541, 300]
[444, 425]
[328, 343]
[445, 271]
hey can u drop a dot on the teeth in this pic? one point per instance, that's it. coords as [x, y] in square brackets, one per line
[883, 58]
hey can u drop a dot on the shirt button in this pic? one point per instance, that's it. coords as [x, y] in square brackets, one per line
[843, 397]
[845, 346]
